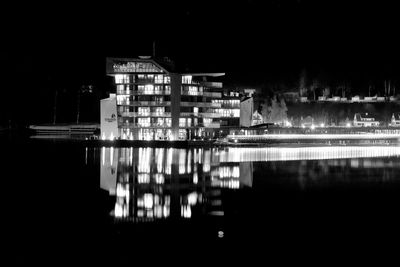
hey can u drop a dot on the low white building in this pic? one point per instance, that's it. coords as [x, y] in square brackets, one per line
[395, 122]
[257, 118]
[108, 118]
[364, 120]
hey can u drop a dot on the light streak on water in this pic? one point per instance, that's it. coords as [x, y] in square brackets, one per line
[316, 136]
[241, 154]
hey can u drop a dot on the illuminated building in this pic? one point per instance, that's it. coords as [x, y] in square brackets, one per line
[395, 122]
[230, 109]
[257, 118]
[153, 102]
[364, 120]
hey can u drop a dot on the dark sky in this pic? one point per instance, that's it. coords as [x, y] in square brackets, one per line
[254, 42]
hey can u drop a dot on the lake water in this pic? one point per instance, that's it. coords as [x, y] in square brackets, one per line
[235, 197]
[157, 203]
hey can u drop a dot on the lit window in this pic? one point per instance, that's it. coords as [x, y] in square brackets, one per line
[167, 79]
[157, 89]
[122, 100]
[159, 111]
[158, 79]
[121, 78]
[149, 89]
[187, 79]
[207, 121]
[144, 111]
[144, 122]
[182, 122]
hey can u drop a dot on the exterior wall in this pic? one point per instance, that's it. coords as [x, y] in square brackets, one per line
[230, 111]
[108, 118]
[176, 82]
[359, 121]
[246, 112]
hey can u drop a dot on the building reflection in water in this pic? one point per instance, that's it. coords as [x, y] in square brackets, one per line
[156, 183]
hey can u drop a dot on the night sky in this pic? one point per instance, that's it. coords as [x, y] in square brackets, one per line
[255, 43]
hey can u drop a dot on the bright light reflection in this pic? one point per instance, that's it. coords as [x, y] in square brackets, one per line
[235, 154]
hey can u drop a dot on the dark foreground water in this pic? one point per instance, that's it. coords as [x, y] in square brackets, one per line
[68, 203]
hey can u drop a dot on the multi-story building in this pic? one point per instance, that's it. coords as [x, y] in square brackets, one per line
[230, 109]
[154, 102]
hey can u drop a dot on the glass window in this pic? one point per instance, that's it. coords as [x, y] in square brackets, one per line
[159, 111]
[168, 122]
[167, 89]
[144, 122]
[157, 89]
[187, 79]
[167, 79]
[120, 88]
[144, 111]
[182, 122]
[122, 100]
[207, 121]
[149, 89]
[158, 79]
[121, 78]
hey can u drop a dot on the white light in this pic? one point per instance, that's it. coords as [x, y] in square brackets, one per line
[220, 234]
[235, 140]
[111, 137]
[322, 125]
[317, 136]
[348, 125]
[103, 136]
[186, 211]
[312, 127]
[192, 198]
[303, 126]
[270, 154]
[148, 201]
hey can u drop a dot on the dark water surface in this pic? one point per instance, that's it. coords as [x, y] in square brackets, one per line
[162, 204]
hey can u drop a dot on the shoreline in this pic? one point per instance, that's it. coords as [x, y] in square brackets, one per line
[217, 143]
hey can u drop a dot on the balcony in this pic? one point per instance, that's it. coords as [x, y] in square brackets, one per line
[212, 84]
[209, 115]
[210, 125]
[143, 125]
[201, 104]
[213, 94]
[191, 93]
[154, 92]
[146, 114]
[150, 103]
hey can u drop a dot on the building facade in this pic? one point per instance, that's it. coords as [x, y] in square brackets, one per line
[365, 120]
[154, 102]
[230, 109]
[395, 122]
